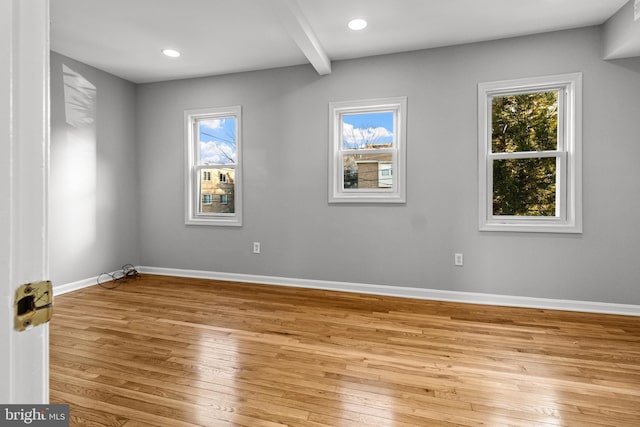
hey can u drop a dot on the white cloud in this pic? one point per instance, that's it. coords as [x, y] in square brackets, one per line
[359, 137]
[213, 123]
[217, 152]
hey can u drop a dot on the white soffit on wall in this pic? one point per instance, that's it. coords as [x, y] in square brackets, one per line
[621, 32]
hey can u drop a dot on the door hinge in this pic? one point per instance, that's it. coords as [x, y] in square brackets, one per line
[33, 304]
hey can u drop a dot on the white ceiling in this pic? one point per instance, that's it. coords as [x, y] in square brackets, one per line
[124, 37]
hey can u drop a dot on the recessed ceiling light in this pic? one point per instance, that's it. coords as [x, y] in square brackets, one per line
[171, 53]
[357, 24]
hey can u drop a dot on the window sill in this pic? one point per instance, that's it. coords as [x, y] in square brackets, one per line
[533, 227]
[367, 198]
[230, 222]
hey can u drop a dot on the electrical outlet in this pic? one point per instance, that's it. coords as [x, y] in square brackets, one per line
[458, 259]
[256, 247]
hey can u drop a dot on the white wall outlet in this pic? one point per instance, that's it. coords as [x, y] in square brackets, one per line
[458, 259]
[256, 247]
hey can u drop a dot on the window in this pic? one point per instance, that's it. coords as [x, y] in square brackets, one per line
[213, 143]
[385, 175]
[367, 155]
[530, 154]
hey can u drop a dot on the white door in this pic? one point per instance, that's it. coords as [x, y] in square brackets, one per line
[24, 168]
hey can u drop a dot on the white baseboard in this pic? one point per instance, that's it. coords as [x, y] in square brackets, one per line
[396, 291]
[73, 286]
[407, 292]
[80, 284]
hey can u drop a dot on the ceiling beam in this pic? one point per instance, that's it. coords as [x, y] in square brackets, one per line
[301, 32]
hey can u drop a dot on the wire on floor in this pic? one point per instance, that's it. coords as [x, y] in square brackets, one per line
[115, 279]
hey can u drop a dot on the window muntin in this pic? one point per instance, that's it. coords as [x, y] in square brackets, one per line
[363, 171]
[526, 124]
[529, 161]
[215, 189]
[525, 187]
[214, 161]
[525, 121]
[217, 144]
[368, 151]
[372, 130]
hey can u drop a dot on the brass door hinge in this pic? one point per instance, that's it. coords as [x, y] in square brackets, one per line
[33, 304]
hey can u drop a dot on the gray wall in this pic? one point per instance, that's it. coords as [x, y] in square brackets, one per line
[285, 113]
[93, 213]
[139, 177]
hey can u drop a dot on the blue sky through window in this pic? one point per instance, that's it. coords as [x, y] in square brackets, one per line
[217, 138]
[364, 130]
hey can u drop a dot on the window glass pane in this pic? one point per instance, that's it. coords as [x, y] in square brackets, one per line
[524, 187]
[524, 122]
[367, 170]
[217, 141]
[217, 192]
[367, 130]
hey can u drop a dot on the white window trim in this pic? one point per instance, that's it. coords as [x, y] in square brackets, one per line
[192, 217]
[569, 155]
[397, 193]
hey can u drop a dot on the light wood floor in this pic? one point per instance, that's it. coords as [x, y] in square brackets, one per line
[164, 351]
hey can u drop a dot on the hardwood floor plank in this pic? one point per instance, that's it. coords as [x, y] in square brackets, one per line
[166, 351]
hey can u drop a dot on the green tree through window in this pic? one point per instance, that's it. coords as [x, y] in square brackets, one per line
[524, 123]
